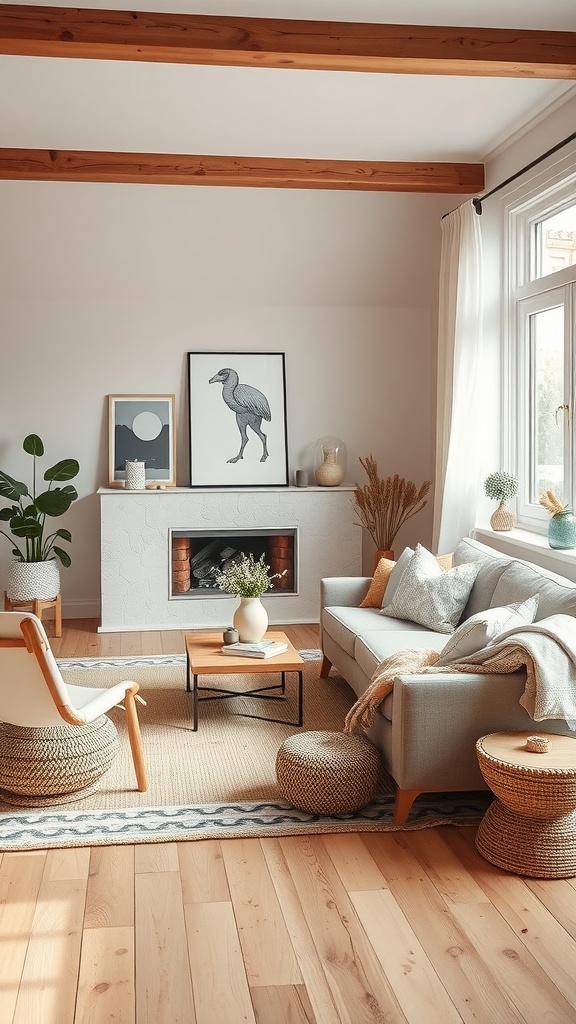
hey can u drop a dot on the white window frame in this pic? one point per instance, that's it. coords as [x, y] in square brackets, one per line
[545, 195]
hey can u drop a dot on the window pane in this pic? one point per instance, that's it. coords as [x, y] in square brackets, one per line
[555, 243]
[548, 418]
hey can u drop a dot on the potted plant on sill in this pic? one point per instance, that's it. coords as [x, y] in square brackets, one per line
[248, 579]
[501, 486]
[384, 505]
[34, 573]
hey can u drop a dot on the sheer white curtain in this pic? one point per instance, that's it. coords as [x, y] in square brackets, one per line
[458, 462]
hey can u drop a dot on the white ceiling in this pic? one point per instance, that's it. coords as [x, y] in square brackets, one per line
[129, 106]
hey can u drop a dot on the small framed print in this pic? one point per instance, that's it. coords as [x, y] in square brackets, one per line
[142, 428]
[237, 419]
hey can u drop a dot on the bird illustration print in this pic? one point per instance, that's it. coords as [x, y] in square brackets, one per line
[248, 404]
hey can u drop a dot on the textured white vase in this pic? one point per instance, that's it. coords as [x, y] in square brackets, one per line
[29, 581]
[251, 620]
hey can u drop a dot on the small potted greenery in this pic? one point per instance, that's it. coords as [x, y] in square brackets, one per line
[248, 578]
[501, 486]
[34, 573]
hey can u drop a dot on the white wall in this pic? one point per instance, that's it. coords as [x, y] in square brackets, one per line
[104, 288]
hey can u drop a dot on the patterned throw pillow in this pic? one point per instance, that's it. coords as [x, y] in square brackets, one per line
[484, 628]
[429, 596]
[383, 573]
[376, 590]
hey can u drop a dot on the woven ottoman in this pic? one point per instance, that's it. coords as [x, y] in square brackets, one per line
[54, 764]
[328, 772]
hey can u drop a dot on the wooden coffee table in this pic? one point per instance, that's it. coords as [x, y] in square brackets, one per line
[204, 658]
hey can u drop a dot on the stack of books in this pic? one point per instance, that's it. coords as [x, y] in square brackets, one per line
[262, 649]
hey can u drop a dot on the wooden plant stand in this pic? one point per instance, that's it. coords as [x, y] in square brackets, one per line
[37, 607]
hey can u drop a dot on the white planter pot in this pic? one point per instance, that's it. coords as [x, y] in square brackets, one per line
[29, 581]
[251, 620]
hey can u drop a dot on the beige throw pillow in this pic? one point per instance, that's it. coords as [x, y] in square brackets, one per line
[427, 595]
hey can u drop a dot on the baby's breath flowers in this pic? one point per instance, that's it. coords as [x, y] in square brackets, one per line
[246, 577]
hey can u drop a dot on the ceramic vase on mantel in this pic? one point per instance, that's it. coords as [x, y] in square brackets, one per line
[251, 620]
[29, 581]
[502, 519]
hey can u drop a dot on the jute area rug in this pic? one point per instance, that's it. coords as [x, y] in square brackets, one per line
[217, 782]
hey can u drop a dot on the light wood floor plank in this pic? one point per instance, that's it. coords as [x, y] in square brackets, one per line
[20, 878]
[130, 644]
[404, 962]
[532, 924]
[110, 896]
[302, 941]
[163, 982]
[557, 895]
[283, 1004]
[106, 979]
[527, 985]
[49, 979]
[268, 954]
[151, 642]
[156, 857]
[202, 872]
[360, 991]
[219, 995]
[477, 996]
[443, 867]
[352, 860]
[67, 865]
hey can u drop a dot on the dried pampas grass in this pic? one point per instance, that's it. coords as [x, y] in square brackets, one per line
[384, 505]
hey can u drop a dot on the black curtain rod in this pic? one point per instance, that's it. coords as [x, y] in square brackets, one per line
[477, 203]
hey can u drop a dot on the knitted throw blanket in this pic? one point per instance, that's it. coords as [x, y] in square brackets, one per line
[404, 663]
[545, 649]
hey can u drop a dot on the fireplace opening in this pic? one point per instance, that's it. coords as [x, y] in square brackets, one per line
[197, 556]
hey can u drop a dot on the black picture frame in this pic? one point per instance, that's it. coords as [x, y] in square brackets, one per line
[237, 419]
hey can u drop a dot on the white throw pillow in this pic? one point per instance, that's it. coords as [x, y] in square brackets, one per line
[396, 576]
[484, 628]
[430, 596]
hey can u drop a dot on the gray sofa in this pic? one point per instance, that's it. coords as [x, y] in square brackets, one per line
[428, 726]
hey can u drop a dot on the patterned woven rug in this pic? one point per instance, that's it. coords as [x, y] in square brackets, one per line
[216, 783]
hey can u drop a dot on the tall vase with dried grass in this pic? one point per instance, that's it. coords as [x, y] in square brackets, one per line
[383, 505]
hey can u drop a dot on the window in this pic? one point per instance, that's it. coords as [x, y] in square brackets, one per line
[541, 392]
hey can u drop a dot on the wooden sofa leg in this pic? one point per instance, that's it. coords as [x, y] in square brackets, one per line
[404, 800]
[325, 668]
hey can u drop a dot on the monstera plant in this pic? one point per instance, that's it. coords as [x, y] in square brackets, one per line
[27, 517]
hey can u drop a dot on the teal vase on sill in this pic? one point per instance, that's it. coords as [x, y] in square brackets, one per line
[562, 530]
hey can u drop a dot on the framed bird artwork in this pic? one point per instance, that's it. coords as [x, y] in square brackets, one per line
[237, 417]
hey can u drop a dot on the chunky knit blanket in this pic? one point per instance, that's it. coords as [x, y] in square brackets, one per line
[545, 649]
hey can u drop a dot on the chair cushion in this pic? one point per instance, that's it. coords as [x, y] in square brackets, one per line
[344, 625]
[520, 580]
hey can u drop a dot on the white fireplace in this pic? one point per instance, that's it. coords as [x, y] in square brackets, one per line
[136, 550]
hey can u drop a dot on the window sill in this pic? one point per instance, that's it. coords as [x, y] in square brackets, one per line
[533, 547]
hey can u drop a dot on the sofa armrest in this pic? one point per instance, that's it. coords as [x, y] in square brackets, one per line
[436, 720]
[343, 591]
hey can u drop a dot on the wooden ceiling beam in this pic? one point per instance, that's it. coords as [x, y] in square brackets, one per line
[265, 42]
[259, 172]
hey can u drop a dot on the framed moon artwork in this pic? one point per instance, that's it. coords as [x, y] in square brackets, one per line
[237, 419]
[142, 428]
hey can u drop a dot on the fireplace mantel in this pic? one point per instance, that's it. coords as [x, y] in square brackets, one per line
[136, 528]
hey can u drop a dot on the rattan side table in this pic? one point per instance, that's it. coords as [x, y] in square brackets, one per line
[530, 829]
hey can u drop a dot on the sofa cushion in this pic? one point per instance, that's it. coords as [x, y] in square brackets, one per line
[520, 580]
[377, 588]
[491, 566]
[484, 628]
[396, 576]
[429, 596]
[344, 625]
[374, 647]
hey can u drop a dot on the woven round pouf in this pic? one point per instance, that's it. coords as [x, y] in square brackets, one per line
[55, 764]
[328, 772]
